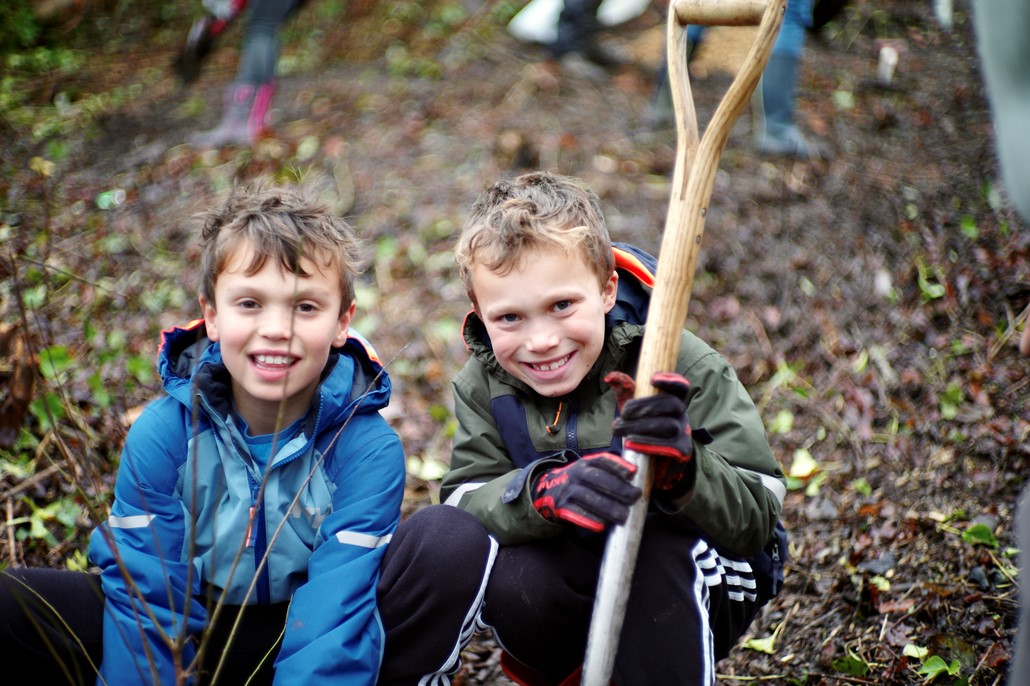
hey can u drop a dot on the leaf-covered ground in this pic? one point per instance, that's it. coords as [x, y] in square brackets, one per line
[871, 302]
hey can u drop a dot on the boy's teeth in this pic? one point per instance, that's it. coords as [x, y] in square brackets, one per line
[279, 360]
[551, 366]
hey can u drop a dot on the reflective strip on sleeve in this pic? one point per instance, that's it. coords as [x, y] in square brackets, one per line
[771, 483]
[362, 540]
[460, 492]
[132, 522]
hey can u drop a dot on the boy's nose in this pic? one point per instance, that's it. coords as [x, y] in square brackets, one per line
[275, 325]
[542, 337]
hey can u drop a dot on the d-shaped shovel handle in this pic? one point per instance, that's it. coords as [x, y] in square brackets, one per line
[697, 160]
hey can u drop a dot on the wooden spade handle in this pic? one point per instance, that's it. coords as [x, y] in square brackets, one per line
[697, 161]
[719, 12]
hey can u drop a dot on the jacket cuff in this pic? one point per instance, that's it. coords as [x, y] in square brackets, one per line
[673, 505]
[525, 475]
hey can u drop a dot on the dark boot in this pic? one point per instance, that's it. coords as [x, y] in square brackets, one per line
[244, 119]
[199, 43]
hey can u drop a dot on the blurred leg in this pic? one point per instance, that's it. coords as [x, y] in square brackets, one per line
[577, 26]
[776, 130]
[248, 100]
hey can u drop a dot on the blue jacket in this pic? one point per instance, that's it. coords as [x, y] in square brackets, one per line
[184, 494]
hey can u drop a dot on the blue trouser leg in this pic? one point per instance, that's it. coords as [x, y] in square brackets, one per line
[779, 80]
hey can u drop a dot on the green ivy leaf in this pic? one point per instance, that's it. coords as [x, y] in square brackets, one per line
[852, 665]
[54, 360]
[980, 534]
[935, 666]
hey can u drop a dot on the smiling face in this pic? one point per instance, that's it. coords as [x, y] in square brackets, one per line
[545, 318]
[276, 330]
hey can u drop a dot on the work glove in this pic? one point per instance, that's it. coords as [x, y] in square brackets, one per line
[592, 492]
[658, 426]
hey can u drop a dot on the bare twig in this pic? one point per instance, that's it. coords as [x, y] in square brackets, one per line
[29, 482]
[12, 546]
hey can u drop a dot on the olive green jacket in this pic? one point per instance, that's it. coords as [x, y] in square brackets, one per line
[738, 494]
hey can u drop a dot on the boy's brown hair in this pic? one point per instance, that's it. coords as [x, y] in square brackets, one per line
[280, 223]
[532, 211]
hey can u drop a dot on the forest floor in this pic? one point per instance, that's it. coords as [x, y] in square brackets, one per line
[870, 302]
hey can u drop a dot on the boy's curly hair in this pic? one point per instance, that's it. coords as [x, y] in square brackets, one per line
[533, 211]
[280, 223]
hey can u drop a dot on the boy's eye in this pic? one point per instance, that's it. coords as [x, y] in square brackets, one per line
[509, 318]
[306, 308]
[562, 305]
[248, 304]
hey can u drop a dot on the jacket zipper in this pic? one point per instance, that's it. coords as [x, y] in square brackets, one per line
[571, 428]
[256, 539]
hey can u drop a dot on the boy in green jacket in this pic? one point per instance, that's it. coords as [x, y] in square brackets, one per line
[556, 310]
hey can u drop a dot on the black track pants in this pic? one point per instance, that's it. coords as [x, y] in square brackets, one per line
[687, 606]
[432, 581]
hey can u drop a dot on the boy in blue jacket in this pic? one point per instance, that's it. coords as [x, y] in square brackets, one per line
[255, 523]
[554, 338]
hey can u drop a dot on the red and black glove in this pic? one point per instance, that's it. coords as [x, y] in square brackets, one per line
[658, 426]
[592, 492]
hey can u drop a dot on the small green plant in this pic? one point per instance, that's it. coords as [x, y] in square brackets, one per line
[951, 399]
[61, 515]
[969, 227]
[980, 534]
[931, 666]
[852, 665]
[936, 666]
[930, 286]
[19, 28]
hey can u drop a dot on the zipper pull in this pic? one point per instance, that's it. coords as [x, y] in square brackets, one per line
[251, 536]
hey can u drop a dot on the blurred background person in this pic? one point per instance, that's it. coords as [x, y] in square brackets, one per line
[247, 100]
[775, 127]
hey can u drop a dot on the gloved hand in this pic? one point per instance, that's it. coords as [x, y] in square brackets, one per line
[658, 426]
[591, 492]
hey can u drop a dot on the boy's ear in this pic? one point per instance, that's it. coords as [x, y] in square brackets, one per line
[344, 325]
[210, 318]
[611, 289]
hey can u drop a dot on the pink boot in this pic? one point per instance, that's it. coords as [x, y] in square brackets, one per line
[244, 119]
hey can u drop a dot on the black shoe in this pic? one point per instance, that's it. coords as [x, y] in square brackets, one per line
[198, 46]
[602, 56]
